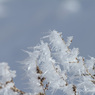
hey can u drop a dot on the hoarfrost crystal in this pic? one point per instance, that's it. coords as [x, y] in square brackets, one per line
[52, 65]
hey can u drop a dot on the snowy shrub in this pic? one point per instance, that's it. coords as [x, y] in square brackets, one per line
[52, 65]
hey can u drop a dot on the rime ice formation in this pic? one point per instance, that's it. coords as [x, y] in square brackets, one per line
[53, 65]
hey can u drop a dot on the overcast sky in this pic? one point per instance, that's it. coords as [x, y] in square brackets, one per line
[24, 22]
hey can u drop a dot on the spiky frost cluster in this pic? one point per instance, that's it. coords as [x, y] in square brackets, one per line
[53, 65]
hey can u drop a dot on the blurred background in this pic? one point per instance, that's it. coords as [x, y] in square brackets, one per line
[24, 22]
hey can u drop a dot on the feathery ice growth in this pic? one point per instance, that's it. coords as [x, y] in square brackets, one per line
[53, 66]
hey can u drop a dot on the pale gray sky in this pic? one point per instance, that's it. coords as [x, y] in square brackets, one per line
[24, 22]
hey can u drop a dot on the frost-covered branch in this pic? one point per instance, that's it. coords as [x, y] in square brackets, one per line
[53, 65]
[7, 86]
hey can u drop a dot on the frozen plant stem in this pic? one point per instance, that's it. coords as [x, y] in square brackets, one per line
[52, 65]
